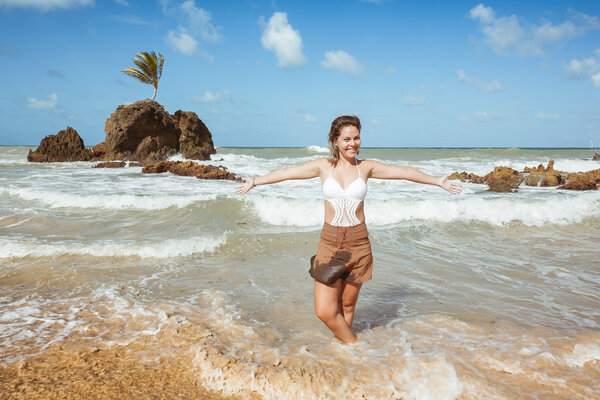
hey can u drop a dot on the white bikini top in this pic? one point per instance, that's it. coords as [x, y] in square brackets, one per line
[345, 202]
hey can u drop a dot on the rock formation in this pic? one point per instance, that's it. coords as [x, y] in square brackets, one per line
[111, 164]
[596, 157]
[67, 145]
[503, 179]
[190, 168]
[144, 131]
[195, 140]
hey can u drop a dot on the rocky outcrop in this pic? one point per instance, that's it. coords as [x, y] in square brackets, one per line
[111, 164]
[544, 176]
[99, 150]
[583, 181]
[596, 157]
[503, 179]
[195, 141]
[142, 131]
[190, 168]
[145, 132]
[464, 177]
[66, 145]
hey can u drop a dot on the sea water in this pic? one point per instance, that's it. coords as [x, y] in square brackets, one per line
[476, 296]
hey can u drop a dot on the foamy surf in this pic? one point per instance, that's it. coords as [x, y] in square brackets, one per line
[55, 199]
[496, 210]
[15, 248]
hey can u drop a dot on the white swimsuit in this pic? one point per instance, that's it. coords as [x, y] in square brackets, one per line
[345, 202]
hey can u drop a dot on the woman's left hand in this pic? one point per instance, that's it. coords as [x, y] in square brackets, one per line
[449, 185]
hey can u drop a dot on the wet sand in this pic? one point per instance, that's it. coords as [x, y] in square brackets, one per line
[79, 370]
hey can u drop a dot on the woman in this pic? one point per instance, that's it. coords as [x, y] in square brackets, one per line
[343, 261]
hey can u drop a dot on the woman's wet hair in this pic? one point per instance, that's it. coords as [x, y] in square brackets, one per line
[334, 133]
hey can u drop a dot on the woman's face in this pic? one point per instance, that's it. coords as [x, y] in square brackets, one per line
[349, 141]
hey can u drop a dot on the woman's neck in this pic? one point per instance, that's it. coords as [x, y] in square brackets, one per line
[347, 161]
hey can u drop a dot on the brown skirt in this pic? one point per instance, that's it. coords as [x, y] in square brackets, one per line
[344, 252]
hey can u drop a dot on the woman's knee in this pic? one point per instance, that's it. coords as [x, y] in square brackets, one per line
[326, 312]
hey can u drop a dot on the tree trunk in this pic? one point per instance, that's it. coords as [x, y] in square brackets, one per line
[154, 95]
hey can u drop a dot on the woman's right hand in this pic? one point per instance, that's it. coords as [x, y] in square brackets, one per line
[246, 186]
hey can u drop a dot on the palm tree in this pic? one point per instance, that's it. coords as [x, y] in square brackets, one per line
[150, 69]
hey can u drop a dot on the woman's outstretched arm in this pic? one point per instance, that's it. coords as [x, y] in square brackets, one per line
[308, 170]
[383, 171]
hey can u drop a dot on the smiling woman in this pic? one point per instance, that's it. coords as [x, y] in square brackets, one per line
[343, 261]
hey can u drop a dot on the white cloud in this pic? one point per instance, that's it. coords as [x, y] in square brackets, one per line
[483, 13]
[541, 115]
[588, 67]
[596, 80]
[46, 5]
[309, 118]
[342, 61]
[390, 70]
[208, 97]
[122, 2]
[506, 36]
[481, 116]
[183, 42]
[581, 68]
[412, 101]
[489, 87]
[194, 23]
[48, 102]
[199, 20]
[280, 37]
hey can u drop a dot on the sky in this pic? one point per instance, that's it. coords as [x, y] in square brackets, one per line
[276, 73]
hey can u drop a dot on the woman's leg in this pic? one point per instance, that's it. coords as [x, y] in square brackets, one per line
[327, 298]
[349, 297]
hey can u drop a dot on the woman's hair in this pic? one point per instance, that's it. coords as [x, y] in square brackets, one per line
[334, 133]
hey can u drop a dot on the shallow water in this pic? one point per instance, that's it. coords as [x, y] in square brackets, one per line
[479, 295]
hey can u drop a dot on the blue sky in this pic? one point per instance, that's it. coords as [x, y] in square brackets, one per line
[276, 73]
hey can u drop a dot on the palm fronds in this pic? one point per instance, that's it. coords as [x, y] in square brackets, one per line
[150, 69]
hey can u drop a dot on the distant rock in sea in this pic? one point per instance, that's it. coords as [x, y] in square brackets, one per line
[66, 145]
[190, 168]
[596, 157]
[111, 164]
[145, 132]
[506, 179]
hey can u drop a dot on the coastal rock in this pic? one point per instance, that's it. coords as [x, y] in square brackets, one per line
[596, 157]
[504, 179]
[111, 164]
[145, 132]
[190, 168]
[99, 150]
[583, 181]
[548, 175]
[195, 141]
[139, 131]
[464, 176]
[66, 145]
[532, 180]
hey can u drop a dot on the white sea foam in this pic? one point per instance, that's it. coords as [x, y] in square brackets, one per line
[318, 149]
[56, 199]
[287, 212]
[494, 210]
[163, 249]
[583, 353]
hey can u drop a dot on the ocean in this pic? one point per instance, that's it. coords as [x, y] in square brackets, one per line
[478, 295]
